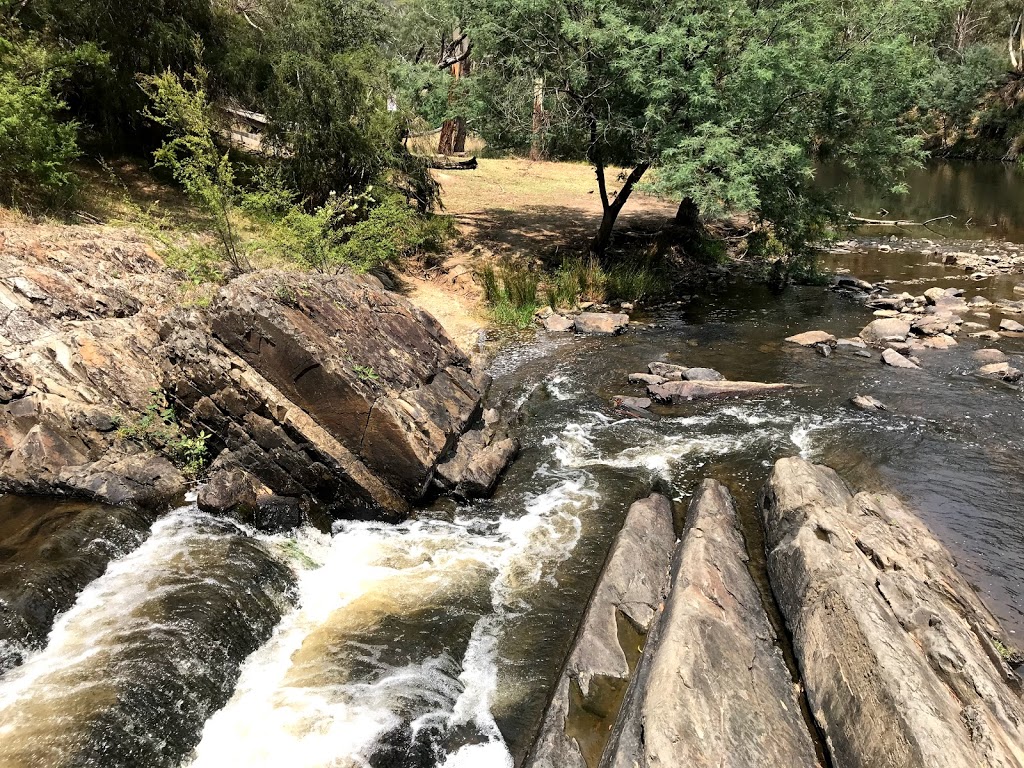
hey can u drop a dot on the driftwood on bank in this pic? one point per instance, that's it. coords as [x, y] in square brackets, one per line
[449, 163]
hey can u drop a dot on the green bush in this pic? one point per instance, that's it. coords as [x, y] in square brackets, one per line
[513, 296]
[158, 428]
[636, 280]
[198, 261]
[36, 145]
[576, 280]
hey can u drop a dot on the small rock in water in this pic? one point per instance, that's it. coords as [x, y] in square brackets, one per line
[1018, 288]
[885, 329]
[668, 371]
[851, 344]
[632, 403]
[896, 360]
[867, 403]
[942, 341]
[863, 353]
[1003, 371]
[1006, 324]
[558, 323]
[824, 350]
[886, 313]
[702, 374]
[992, 335]
[646, 378]
[810, 338]
[601, 323]
[988, 356]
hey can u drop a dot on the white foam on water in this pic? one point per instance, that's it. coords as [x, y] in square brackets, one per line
[489, 755]
[560, 387]
[286, 711]
[802, 435]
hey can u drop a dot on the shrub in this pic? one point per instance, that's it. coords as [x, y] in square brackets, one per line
[513, 299]
[158, 427]
[635, 281]
[200, 263]
[36, 146]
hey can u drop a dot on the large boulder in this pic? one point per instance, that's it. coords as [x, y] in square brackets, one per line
[899, 658]
[885, 329]
[627, 597]
[712, 686]
[606, 323]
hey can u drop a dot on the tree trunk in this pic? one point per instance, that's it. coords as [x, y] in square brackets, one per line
[611, 208]
[453, 132]
[539, 121]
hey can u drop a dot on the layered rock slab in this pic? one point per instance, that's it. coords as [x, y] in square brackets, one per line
[899, 658]
[712, 687]
[626, 600]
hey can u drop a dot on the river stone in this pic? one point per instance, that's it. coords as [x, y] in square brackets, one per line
[629, 593]
[897, 653]
[558, 323]
[935, 294]
[646, 378]
[810, 338]
[632, 403]
[850, 344]
[668, 371]
[1018, 288]
[601, 323]
[885, 329]
[971, 327]
[979, 301]
[988, 356]
[702, 374]
[942, 341]
[480, 458]
[1006, 324]
[681, 391]
[712, 687]
[1003, 371]
[896, 360]
[990, 335]
[867, 403]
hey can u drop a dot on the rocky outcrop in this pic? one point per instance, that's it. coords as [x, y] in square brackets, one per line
[333, 391]
[78, 324]
[326, 390]
[712, 687]
[626, 601]
[900, 661]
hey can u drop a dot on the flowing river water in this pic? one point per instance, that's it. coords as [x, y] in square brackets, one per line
[190, 641]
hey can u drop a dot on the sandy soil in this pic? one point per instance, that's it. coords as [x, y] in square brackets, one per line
[520, 210]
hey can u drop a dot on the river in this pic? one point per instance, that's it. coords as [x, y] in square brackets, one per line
[435, 642]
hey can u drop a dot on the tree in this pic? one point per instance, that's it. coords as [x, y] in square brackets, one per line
[726, 105]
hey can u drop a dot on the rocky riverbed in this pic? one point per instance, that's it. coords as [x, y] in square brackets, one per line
[669, 572]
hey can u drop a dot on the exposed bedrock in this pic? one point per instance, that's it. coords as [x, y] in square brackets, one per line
[623, 607]
[331, 392]
[901, 662]
[712, 687]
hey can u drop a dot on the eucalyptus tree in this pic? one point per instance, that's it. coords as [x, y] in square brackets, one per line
[725, 105]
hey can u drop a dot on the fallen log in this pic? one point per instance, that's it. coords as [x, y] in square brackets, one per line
[449, 163]
[681, 391]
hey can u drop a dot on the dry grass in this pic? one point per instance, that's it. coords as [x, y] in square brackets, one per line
[515, 206]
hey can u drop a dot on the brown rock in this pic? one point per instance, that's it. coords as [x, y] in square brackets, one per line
[896, 360]
[558, 323]
[628, 594]
[885, 329]
[601, 323]
[897, 653]
[712, 687]
[810, 338]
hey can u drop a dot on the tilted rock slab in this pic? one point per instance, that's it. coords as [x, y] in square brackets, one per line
[712, 687]
[898, 655]
[631, 588]
[681, 391]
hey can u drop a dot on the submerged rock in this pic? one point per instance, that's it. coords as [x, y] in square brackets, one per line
[702, 374]
[712, 687]
[601, 322]
[1003, 371]
[625, 602]
[867, 403]
[898, 655]
[668, 371]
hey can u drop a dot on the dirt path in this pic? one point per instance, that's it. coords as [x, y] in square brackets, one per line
[520, 210]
